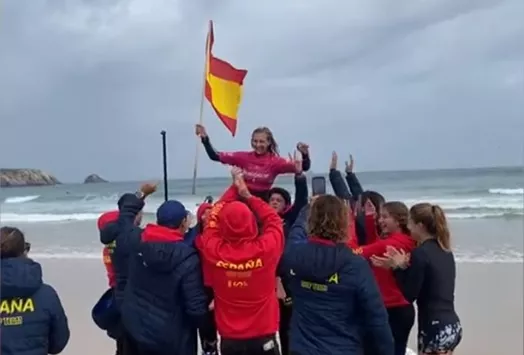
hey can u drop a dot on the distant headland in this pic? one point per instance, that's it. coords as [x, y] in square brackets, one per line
[26, 177]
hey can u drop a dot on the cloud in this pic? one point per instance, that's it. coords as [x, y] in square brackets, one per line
[88, 85]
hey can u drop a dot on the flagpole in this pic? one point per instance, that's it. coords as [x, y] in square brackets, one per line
[201, 117]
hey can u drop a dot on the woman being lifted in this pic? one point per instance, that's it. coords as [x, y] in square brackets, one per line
[261, 165]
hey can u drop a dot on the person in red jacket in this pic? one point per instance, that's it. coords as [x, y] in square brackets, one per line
[244, 264]
[261, 165]
[393, 221]
[102, 222]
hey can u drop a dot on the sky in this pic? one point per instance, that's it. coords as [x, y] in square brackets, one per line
[86, 86]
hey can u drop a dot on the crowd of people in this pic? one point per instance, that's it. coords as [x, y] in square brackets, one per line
[260, 272]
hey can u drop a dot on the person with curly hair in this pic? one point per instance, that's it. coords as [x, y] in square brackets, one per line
[335, 297]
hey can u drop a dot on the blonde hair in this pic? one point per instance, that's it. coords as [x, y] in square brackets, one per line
[273, 145]
[328, 219]
[433, 218]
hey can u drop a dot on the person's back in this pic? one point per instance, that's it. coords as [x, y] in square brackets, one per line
[32, 319]
[164, 300]
[335, 297]
[242, 273]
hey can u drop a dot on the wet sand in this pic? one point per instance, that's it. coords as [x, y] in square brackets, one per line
[489, 302]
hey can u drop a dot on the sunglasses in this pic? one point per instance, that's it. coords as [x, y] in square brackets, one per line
[27, 247]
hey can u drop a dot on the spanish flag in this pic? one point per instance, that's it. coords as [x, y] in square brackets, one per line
[223, 85]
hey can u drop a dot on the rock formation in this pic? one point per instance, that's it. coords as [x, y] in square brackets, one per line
[93, 178]
[26, 177]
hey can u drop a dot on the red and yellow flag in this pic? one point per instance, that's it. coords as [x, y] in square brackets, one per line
[223, 85]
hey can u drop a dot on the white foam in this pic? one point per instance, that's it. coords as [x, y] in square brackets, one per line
[518, 191]
[21, 199]
[511, 258]
[47, 217]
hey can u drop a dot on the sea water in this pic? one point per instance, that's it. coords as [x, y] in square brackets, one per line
[485, 208]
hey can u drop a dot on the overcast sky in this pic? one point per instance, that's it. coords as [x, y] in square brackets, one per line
[87, 85]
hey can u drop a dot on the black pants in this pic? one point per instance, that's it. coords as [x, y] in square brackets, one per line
[130, 347]
[266, 345]
[401, 320]
[285, 320]
[208, 330]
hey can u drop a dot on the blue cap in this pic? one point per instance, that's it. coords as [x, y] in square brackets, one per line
[171, 214]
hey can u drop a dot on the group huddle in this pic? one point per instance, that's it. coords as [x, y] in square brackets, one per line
[330, 274]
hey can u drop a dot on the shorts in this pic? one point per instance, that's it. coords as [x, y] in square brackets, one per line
[439, 337]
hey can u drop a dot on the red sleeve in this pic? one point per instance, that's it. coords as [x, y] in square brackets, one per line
[352, 237]
[272, 231]
[371, 230]
[379, 247]
[283, 166]
[233, 158]
[229, 195]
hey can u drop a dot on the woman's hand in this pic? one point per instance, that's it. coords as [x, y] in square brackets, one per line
[369, 208]
[238, 180]
[148, 189]
[350, 164]
[200, 131]
[334, 161]
[296, 161]
[303, 148]
[399, 259]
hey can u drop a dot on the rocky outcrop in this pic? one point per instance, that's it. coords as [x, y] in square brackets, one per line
[26, 177]
[93, 178]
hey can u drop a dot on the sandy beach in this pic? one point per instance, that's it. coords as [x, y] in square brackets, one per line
[489, 302]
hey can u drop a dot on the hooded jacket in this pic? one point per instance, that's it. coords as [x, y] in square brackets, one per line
[387, 283]
[335, 297]
[103, 221]
[33, 321]
[242, 264]
[164, 299]
[123, 236]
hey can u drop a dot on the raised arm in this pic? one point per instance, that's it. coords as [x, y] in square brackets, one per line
[301, 197]
[228, 158]
[354, 185]
[303, 148]
[337, 181]
[298, 233]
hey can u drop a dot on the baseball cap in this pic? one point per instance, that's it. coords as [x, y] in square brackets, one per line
[171, 214]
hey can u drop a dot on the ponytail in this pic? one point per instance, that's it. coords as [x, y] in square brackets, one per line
[433, 219]
[441, 228]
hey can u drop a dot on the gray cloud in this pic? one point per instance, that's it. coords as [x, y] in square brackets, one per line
[87, 85]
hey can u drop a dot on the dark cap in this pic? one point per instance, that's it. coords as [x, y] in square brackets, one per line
[171, 214]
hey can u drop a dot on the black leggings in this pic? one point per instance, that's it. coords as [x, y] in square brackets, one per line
[401, 320]
[208, 331]
[283, 332]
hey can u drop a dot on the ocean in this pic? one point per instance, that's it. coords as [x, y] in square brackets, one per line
[485, 208]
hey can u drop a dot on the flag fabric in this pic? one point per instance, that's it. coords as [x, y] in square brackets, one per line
[223, 87]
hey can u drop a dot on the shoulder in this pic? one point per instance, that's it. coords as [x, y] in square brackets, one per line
[47, 297]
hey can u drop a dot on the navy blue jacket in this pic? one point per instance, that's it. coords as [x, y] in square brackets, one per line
[126, 237]
[335, 297]
[164, 301]
[33, 321]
